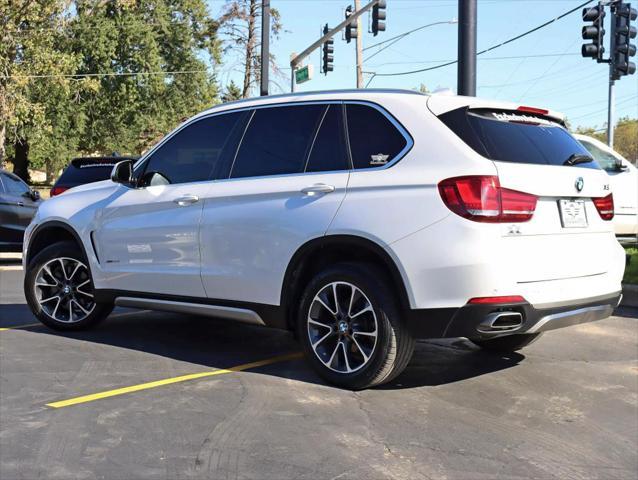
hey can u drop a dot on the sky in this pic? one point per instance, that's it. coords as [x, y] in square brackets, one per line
[547, 71]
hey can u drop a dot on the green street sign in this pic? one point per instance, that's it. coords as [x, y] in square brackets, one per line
[303, 74]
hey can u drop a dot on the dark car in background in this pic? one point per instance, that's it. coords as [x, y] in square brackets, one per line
[86, 170]
[18, 204]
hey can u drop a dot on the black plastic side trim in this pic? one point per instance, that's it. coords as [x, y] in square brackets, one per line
[272, 315]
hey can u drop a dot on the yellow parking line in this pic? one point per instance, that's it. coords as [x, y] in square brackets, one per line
[16, 327]
[169, 381]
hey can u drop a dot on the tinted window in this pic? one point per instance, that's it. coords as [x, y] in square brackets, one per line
[277, 141]
[85, 173]
[605, 159]
[14, 185]
[193, 153]
[329, 151]
[374, 140]
[515, 137]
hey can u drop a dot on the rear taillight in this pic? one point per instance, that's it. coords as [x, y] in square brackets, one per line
[482, 199]
[57, 191]
[605, 206]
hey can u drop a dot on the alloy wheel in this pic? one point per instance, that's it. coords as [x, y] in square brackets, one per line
[342, 327]
[64, 291]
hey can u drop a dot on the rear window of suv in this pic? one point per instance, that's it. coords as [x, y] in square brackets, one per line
[81, 171]
[509, 136]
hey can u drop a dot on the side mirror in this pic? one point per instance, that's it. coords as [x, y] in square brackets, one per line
[620, 166]
[123, 172]
[35, 195]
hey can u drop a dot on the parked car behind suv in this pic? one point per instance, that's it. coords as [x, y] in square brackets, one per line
[84, 170]
[18, 204]
[623, 178]
[362, 220]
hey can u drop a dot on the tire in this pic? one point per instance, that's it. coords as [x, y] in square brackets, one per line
[71, 305]
[347, 354]
[509, 343]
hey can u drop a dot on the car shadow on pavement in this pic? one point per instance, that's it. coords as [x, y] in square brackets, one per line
[221, 344]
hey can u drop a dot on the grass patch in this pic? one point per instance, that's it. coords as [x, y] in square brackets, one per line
[631, 270]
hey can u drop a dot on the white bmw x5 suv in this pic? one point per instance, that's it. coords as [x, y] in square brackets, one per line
[361, 220]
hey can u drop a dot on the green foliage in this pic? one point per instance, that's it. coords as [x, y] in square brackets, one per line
[89, 76]
[232, 92]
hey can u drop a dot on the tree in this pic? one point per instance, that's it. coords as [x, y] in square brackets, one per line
[153, 59]
[240, 24]
[233, 92]
[32, 70]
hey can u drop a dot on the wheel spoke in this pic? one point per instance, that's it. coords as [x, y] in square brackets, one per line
[334, 293]
[318, 299]
[77, 267]
[345, 357]
[86, 312]
[353, 290]
[316, 344]
[70, 312]
[365, 357]
[48, 271]
[44, 284]
[366, 334]
[55, 310]
[319, 324]
[84, 293]
[63, 269]
[368, 308]
[334, 352]
[45, 300]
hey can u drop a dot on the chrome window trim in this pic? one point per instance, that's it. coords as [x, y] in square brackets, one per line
[409, 142]
[379, 108]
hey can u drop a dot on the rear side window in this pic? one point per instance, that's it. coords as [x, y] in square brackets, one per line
[329, 151]
[515, 137]
[605, 159]
[277, 141]
[195, 152]
[374, 140]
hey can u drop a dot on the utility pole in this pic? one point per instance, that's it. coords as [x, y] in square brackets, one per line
[466, 75]
[611, 104]
[357, 5]
[265, 46]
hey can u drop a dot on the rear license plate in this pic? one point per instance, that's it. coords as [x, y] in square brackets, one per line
[572, 213]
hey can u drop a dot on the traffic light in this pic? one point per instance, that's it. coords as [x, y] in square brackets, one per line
[378, 17]
[623, 49]
[593, 32]
[328, 50]
[351, 28]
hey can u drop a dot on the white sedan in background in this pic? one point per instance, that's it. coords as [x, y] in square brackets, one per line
[624, 184]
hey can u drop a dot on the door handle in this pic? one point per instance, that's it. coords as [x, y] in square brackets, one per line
[186, 200]
[20, 204]
[318, 188]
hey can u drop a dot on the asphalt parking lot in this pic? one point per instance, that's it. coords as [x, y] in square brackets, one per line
[153, 395]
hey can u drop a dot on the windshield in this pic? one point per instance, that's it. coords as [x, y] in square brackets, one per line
[85, 173]
[510, 136]
[606, 160]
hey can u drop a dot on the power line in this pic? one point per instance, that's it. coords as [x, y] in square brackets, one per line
[510, 40]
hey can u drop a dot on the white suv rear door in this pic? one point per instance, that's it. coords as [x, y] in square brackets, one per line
[283, 188]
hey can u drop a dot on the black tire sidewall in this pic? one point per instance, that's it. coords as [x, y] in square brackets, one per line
[364, 278]
[61, 249]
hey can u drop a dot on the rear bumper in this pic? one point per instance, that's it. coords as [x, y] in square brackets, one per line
[482, 321]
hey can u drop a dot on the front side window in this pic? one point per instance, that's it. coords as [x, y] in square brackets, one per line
[195, 152]
[277, 141]
[374, 140]
[14, 186]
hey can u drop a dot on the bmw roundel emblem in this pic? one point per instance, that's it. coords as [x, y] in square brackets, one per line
[580, 183]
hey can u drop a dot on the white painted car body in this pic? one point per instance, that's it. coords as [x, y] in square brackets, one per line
[236, 243]
[624, 185]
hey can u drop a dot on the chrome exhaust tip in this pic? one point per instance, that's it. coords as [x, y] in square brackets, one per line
[501, 322]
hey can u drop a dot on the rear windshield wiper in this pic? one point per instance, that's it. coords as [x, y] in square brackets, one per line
[576, 158]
